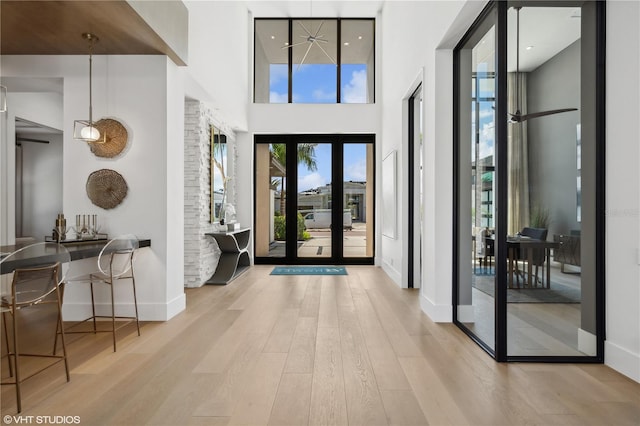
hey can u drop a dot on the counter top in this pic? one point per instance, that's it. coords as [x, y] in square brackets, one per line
[77, 250]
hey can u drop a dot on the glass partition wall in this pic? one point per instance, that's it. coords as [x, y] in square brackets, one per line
[476, 167]
[529, 180]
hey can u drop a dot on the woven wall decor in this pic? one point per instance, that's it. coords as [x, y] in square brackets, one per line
[116, 136]
[106, 188]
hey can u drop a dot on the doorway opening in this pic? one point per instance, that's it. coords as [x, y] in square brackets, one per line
[330, 219]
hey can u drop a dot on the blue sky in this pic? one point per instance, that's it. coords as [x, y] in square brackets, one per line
[316, 83]
[355, 166]
[487, 114]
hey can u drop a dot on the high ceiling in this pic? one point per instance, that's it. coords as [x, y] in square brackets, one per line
[56, 27]
[356, 40]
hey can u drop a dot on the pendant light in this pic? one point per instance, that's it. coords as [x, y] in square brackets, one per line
[82, 129]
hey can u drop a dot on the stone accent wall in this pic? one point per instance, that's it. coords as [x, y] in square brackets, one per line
[201, 253]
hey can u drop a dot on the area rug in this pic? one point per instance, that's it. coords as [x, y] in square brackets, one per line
[558, 293]
[309, 270]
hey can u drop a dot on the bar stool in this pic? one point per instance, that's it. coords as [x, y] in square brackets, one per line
[115, 264]
[30, 277]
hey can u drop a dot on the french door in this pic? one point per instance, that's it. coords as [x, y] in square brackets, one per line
[314, 199]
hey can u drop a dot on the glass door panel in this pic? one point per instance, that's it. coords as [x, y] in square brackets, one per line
[357, 221]
[271, 201]
[321, 223]
[314, 200]
[550, 301]
[476, 185]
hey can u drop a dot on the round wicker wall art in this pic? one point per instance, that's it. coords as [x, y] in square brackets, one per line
[116, 138]
[106, 188]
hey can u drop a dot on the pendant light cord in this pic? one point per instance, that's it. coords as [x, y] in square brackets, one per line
[90, 81]
[92, 39]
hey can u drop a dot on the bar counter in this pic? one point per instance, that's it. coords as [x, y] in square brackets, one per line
[77, 249]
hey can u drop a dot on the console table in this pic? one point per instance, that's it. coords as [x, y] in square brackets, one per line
[234, 259]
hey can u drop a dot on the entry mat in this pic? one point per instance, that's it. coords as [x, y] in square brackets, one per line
[309, 270]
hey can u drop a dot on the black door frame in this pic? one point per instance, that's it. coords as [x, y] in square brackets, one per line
[411, 201]
[337, 142]
[500, 21]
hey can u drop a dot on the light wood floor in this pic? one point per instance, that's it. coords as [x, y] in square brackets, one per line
[534, 329]
[297, 350]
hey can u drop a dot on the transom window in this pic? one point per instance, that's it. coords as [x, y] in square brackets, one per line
[314, 61]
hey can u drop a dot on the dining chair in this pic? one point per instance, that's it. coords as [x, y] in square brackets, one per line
[537, 255]
[114, 265]
[35, 280]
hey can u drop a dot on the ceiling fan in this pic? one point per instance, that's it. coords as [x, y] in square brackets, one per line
[518, 117]
[314, 39]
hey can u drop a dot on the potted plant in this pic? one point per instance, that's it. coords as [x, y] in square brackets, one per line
[540, 217]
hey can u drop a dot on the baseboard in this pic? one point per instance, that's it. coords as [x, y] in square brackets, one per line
[587, 342]
[622, 360]
[437, 313]
[393, 273]
[466, 314]
[146, 311]
[175, 306]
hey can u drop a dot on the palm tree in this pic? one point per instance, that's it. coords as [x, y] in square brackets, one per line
[306, 156]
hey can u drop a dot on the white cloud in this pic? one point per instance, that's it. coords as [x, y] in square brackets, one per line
[487, 137]
[485, 113]
[278, 72]
[356, 171]
[278, 98]
[311, 181]
[355, 92]
[321, 95]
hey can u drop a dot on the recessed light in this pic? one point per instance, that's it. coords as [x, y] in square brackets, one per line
[346, 43]
[286, 43]
[529, 47]
[273, 37]
[359, 37]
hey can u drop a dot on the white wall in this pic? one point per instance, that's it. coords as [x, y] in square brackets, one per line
[218, 57]
[622, 347]
[41, 184]
[41, 108]
[137, 91]
[411, 32]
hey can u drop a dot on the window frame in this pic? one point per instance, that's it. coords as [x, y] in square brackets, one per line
[339, 47]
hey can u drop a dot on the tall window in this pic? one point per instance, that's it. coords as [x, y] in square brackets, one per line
[314, 61]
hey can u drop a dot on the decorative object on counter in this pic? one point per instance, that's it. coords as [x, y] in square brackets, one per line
[82, 129]
[87, 226]
[227, 214]
[3, 98]
[106, 188]
[60, 231]
[115, 136]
